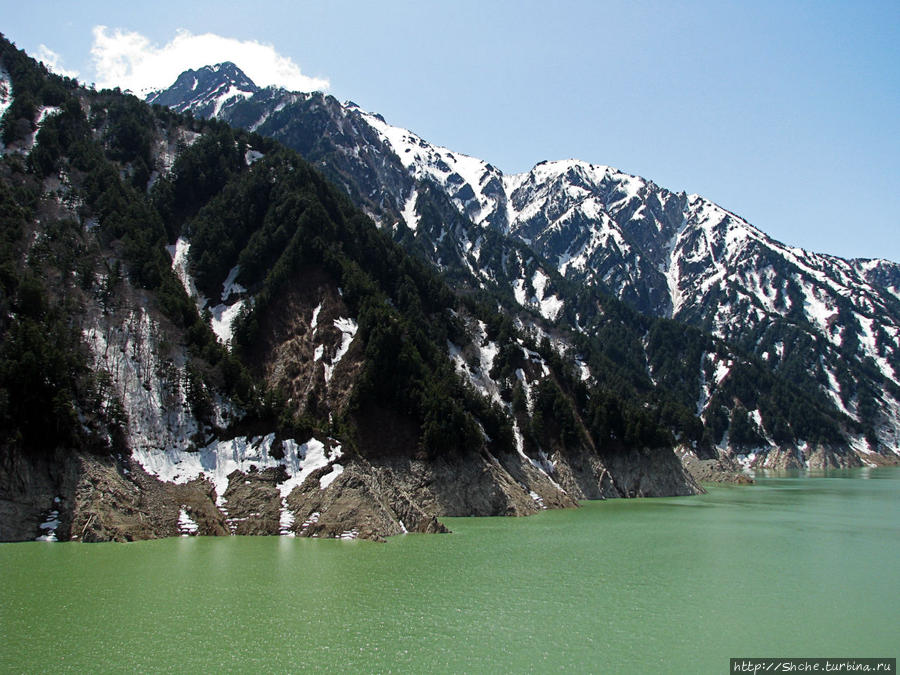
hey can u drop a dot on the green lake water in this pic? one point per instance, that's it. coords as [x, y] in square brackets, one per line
[799, 566]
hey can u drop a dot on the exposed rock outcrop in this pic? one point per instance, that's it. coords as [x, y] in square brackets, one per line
[720, 469]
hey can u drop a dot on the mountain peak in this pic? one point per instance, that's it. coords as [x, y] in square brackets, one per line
[205, 90]
[229, 70]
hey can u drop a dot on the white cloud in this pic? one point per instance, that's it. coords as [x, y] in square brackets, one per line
[52, 60]
[129, 60]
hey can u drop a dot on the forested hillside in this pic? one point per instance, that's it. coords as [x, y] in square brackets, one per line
[201, 333]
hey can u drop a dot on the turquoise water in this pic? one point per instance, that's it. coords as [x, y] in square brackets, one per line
[792, 566]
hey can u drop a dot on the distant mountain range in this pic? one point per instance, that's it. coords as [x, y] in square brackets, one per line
[560, 238]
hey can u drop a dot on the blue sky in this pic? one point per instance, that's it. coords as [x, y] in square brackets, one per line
[787, 113]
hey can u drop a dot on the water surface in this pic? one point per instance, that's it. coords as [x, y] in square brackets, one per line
[792, 566]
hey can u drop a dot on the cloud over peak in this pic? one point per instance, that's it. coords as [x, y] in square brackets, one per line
[128, 60]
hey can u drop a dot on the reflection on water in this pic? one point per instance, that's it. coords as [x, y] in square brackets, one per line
[794, 565]
[863, 472]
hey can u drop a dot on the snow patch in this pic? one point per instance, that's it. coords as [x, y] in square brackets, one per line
[817, 309]
[519, 292]
[230, 286]
[286, 520]
[861, 447]
[186, 525]
[722, 370]
[526, 388]
[179, 253]
[219, 459]
[311, 520]
[6, 95]
[703, 397]
[410, 217]
[539, 282]
[223, 317]
[45, 112]
[868, 343]
[51, 524]
[227, 96]
[550, 307]
[328, 478]
[584, 370]
[258, 123]
[833, 390]
[348, 328]
[478, 374]
[672, 270]
[545, 466]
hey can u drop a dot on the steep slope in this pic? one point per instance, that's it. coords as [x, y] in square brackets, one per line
[201, 335]
[558, 240]
[814, 318]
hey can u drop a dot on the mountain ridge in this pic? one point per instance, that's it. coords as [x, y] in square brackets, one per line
[666, 254]
[234, 76]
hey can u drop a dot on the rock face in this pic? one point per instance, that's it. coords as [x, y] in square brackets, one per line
[33, 489]
[106, 499]
[714, 470]
[84, 497]
[555, 239]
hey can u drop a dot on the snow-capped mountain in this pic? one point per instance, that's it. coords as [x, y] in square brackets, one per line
[558, 237]
[200, 334]
[830, 322]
